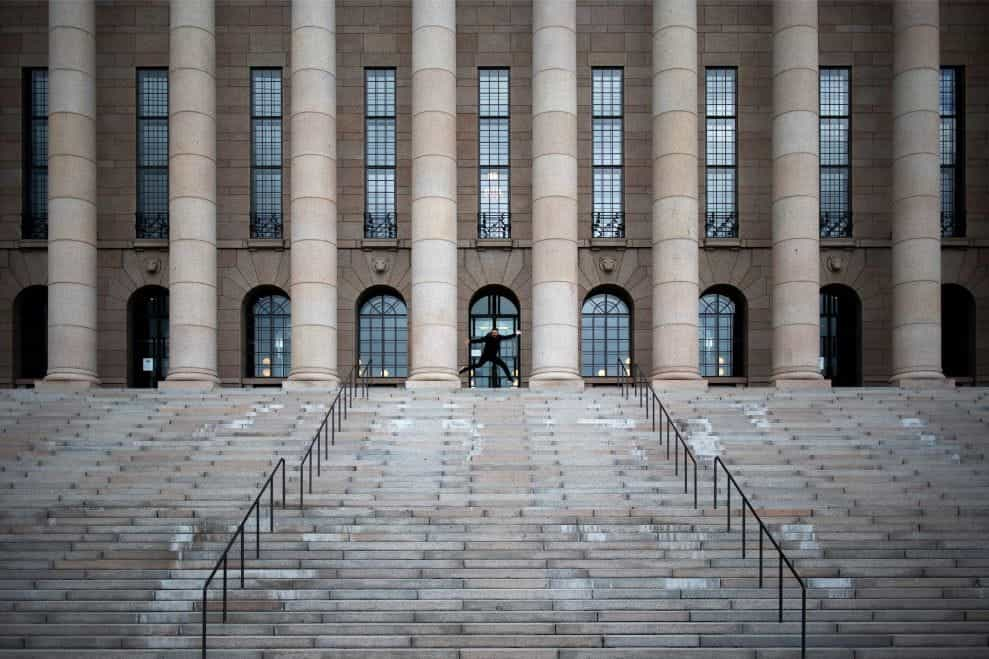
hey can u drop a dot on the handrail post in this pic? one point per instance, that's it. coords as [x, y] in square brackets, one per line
[257, 528]
[781, 581]
[224, 587]
[271, 504]
[760, 556]
[728, 504]
[676, 450]
[744, 502]
[715, 483]
[242, 555]
[283, 481]
[302, 482]
[803, 621]
[695, 483]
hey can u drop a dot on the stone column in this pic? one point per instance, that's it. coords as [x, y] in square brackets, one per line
[555, 307]
[314, 194]
[916, 194]
[192, 195]
[674, 194]
[72, 275]
[796, 209]
[434, 195]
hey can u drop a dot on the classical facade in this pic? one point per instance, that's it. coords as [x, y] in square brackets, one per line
[255, 192]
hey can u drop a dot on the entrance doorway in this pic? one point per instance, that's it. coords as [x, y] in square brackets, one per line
[958, 333]
[149, 336]
[494, 307]
[841, 331]
[31, 333]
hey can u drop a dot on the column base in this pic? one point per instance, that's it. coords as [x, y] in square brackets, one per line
[801, 383]
[673, 384]
[556, 381]
[433, 381]
[922, 381]
[310, 384]
[170, 384]
[67, 382]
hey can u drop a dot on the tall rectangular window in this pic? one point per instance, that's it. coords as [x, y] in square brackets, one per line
[607, 111]
[835, 158]
[379, 154]
[266, 153]
[34, 219]
[721, 217]
[152, 153]
[493, 134]
[952, 108]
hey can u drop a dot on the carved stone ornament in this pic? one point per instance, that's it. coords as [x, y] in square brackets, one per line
[607, 264]
[835, 263]
[379, 265]
[152, 265]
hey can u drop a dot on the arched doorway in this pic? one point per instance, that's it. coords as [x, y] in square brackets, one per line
[721, 332]
[31, 333]
[269, 333]
[147, 313]
[383, 333]
[492, 307]
[841, 335]
[605, 334]
[958, 333]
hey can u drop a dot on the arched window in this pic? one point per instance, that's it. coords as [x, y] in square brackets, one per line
[957, 332]
[720, 332]
[383, 339]
[31, 333]
[269, 333]
[148, 329]
[494, 307]
[841, 332]
[605, 338]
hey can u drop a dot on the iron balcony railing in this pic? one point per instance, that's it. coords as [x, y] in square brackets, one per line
[34, 226]
[151, 226]
[721, 225]
[356, 380]
[836, 224]
[952, 225]
[494, 225]
[633, 382]
[608, 225]
[380, 225]
[266, 226]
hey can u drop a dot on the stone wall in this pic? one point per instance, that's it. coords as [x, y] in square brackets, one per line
[610, 33]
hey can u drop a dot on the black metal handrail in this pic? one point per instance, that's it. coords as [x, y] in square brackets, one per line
[356, 380]
[334, 417]
[763, 530]
[633, 381]
[222, 561]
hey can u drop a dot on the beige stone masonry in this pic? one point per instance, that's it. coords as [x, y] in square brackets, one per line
[916, 252]
[192, 195]
[433, 331]
[674, 198]
[314, 195]
[796, 283]
[72, 262]
[555, 306]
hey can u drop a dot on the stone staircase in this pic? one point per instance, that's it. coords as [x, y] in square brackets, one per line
[474, 524]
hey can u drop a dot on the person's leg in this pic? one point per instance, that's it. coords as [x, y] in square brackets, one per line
[504, 367]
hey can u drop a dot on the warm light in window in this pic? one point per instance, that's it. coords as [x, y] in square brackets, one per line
[628, 360]
[266, 373]
[721, 371]
[384, 373]
[721, 360]
[601, 373]
[266, 361]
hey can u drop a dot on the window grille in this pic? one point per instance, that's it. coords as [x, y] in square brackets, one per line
[605, 336]
[270, 336]
[494, 140]
[384, 336]
[34, 219]
[266, 153]
[835, 158]
[952, 147]
[719, 335]
[152, 153]
[721, 217]
[379, 154]
[607, 110]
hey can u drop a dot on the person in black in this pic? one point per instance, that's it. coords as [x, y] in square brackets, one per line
[491, 352]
